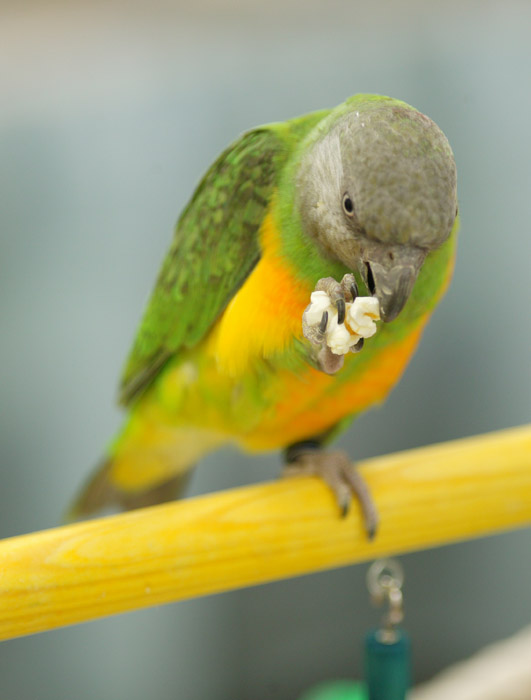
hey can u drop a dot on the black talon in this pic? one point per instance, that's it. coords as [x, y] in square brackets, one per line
[345, 509]
[324, 322]
[358, 345]
[340, 303]
[354, 290]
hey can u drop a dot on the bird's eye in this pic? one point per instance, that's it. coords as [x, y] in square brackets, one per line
[348, 205]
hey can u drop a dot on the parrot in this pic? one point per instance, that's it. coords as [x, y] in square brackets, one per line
[357, 199]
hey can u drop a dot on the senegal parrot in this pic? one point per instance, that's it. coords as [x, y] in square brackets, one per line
[356, 200]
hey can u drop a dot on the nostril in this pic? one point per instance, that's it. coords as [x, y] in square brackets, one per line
[370, 279]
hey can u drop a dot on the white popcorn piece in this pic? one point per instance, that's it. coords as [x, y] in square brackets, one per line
[360, 317]
[320, 302]
[338, 338]
[362, 314]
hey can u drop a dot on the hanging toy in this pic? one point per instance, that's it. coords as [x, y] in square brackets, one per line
[387, 649]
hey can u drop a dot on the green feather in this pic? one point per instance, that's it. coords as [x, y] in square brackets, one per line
[214, 249]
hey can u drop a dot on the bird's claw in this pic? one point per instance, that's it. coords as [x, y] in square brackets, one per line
[339, 293]
[341, 309]
[338, 472]
[324, 323]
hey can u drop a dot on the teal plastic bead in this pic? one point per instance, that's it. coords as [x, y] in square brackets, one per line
[337, 690]
[387, 666]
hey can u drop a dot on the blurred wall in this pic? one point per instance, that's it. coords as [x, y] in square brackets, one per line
[109, 115]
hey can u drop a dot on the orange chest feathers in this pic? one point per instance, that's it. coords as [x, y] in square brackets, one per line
[261, 321]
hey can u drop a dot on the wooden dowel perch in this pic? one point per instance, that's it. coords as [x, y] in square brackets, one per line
[426, 497]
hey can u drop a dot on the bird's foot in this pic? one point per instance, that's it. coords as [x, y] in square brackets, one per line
[339, 294]
[336, 469]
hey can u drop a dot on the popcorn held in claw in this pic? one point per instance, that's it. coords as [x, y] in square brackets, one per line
[361, 316]
[320, 302]
[360, 320]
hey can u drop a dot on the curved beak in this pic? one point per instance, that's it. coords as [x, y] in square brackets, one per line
[390, 276]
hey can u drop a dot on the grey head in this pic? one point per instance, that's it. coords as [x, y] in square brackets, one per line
[376, 190]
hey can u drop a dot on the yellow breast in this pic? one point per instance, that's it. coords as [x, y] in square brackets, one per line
[265, 314]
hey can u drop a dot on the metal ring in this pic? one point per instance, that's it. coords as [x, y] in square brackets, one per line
[383, 575]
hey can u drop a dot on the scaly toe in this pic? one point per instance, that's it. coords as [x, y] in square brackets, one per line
[350, 287]
[342, 477]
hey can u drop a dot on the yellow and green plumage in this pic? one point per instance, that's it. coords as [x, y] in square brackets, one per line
[220, 355]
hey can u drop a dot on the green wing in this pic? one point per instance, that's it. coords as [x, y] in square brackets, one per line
[214, 248]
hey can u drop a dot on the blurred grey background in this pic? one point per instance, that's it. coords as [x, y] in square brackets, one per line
[109, 114]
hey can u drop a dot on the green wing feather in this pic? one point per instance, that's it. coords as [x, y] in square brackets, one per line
[214, 248]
